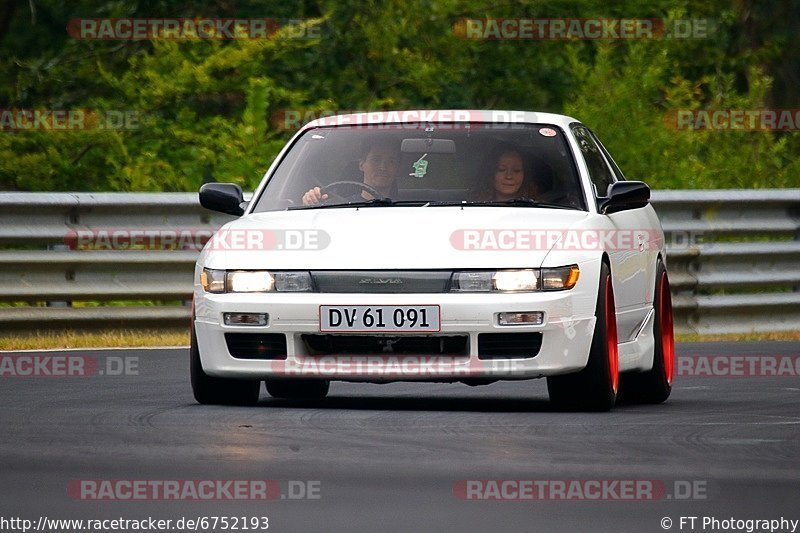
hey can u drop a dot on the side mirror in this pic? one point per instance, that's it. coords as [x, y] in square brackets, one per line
[223, 197]
[624, 195]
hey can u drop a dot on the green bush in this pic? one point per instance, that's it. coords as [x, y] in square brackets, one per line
[204, 108]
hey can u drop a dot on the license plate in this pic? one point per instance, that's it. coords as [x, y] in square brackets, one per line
[378, 318]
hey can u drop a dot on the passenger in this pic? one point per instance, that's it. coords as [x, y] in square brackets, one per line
[506, 176]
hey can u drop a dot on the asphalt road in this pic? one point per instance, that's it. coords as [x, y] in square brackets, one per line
[387, 457]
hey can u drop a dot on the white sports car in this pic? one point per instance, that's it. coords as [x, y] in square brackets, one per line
[442, 246]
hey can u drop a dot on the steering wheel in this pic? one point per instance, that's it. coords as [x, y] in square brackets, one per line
[342, 184]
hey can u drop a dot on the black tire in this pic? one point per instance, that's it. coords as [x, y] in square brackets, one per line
[655, 385]
[298, 389]
[595, 387]
[210, 390]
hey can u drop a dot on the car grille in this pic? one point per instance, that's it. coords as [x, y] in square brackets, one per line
[509, 345]
[367, 344]
[256, 345]
[382, 281]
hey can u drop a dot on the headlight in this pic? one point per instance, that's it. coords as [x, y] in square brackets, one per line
[212, 280]
[516, 280]
[561, 278]
[293, 282]
[472, 282]
[220, 281]
[250, 281]
[528, 280]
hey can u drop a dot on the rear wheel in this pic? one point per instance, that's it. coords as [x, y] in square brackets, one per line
[298, 389]
[209, 390]
[655, 385]
[595, 387]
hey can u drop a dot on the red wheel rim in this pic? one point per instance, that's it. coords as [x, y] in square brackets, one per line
[611, 337]
[667, 339]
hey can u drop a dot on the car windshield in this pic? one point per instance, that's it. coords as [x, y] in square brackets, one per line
[469, 164]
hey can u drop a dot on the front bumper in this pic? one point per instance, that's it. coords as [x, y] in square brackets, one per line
[566, 338]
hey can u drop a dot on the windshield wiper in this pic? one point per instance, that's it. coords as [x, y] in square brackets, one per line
[388, 202]
[514, 202]
[375, 202]
[535, 203]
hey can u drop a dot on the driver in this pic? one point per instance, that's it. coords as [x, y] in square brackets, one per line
[379, 162]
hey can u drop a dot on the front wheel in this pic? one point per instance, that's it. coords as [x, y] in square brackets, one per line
[595, 387]
[209, 390]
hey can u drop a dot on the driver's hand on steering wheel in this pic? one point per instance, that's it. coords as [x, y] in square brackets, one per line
[314, 196]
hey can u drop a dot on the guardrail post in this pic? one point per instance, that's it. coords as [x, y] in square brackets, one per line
[68, 276]
[794, 213]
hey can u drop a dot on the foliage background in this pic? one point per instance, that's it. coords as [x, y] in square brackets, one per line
[205, 108]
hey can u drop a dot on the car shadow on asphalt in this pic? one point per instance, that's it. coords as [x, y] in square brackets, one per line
[482, 404]
[425, 403]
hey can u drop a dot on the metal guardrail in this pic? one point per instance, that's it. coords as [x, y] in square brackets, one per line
[734, 259]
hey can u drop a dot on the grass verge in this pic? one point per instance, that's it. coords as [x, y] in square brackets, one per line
[106, 338]
[770, 336]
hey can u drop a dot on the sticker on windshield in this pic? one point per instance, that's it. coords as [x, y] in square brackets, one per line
[547, 132]
[420, 167]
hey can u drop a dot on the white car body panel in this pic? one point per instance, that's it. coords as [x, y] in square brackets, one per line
[417, 238]
[392, 238]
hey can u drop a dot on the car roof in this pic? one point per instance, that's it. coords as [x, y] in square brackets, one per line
[443, 116]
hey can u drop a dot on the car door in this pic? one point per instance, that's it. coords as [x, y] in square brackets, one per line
[629, 255]
[647, 222]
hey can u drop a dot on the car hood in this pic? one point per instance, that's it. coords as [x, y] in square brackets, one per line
[386, 238]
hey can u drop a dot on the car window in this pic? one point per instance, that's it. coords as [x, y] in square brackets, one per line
[463, 163]
[617, 172]
[599, 172]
